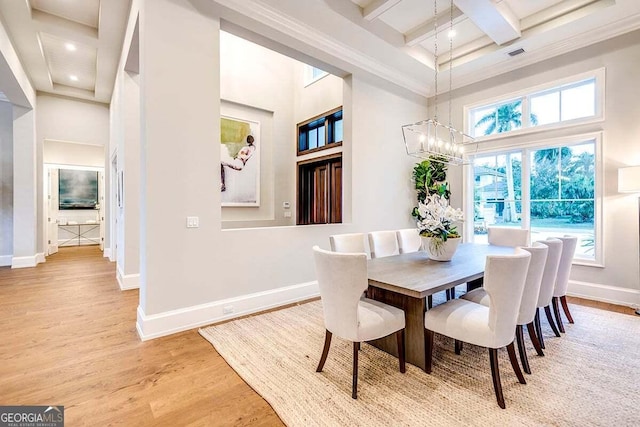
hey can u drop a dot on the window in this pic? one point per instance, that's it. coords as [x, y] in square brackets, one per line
[313, 74]
[550, 189]
[320, 132]
[575, 100]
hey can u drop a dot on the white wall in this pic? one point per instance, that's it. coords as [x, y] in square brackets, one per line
[72, 120]
[65, 153]
[619, 280]
[258, 84]
[64, 120]
[6, 183]
[187, 274]
[266, 86]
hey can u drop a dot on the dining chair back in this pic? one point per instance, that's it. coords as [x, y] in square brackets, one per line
[508, 236]
[348, 243]
[569, 244]
[342, 277]
[492, 327]
[383, 244]
[409, 240]
[547, 287]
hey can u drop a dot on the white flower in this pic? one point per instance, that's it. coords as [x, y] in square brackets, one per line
[435, 218]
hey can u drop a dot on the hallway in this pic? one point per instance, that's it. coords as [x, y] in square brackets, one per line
[68, 338]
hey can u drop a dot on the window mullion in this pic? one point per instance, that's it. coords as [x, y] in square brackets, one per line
[525, 188]
[525, 112]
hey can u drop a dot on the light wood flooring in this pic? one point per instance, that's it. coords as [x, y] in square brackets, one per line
[68, 337]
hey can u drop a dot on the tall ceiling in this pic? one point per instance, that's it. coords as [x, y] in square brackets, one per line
[68, 47]
[72, 47]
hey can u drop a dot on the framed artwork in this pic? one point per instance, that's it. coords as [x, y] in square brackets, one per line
[239, 162]
[77, 189]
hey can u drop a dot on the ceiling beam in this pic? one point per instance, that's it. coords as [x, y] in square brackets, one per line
[377, 7]
[496, 20]
[65, 28]
[426, 30]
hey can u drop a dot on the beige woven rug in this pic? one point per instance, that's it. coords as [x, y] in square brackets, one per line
[589, 377]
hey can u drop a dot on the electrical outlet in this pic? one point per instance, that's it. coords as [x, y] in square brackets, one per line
[227, 309]
[287, 214]
[193, 222]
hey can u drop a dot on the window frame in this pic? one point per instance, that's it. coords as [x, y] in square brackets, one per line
[525, 95]
[525, 149]
[327, 121]
[309, 79]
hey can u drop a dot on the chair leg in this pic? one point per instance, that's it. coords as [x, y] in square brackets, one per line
[495, 374]
[534, 339]
[565, 307]
[430, 302]
[539, 328]
[325, 351]
[522, 350]
[547, 311]
[400, 339]
[354, 386]
[428, 346]
[514, 363]
[556, 313]
[458, 346]
[358, 346]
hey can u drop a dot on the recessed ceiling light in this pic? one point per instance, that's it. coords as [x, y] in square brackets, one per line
[73, 77]
[70, 47]
[451, 34]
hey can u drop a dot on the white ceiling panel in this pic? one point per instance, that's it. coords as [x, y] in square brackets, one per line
[63, 64]
[465, 32]
[82, 11]
[409, 14]
[522, 9]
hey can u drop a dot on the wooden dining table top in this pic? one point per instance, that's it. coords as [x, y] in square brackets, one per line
[415, 275]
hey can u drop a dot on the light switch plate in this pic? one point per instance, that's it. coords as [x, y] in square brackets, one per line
[193, 222]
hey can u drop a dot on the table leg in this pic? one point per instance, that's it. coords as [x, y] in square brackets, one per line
[414, 309]
[474, 284]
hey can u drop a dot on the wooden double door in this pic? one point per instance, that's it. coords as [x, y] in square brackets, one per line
[320, 191]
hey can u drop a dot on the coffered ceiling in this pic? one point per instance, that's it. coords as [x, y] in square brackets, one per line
[68, 47]
[72, 47]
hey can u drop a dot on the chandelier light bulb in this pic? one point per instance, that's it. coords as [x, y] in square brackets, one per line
[422, 137]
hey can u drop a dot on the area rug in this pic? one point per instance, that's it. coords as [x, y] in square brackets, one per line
[589, 377]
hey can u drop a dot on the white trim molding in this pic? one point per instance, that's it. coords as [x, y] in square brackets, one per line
[127, 281]
[24, 261]
[605, 293]
[5, 260]
[106, 253]
[40, 257]
[170, 322]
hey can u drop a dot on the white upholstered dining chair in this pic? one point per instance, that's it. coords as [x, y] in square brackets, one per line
[492, 327]
[383, 244]
[528, 304]
[547, 286]
[569, 244]
[508, 236]
[348, 243]
[342, 277]
[409, 240]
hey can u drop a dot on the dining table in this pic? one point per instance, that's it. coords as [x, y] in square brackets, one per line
[407, 280]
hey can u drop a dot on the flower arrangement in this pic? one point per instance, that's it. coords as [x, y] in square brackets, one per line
[436, 218]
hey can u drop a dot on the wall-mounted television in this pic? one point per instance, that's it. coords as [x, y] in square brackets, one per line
[77, 189]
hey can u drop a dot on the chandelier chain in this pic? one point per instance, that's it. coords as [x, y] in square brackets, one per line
[450, 55]
[435, 57]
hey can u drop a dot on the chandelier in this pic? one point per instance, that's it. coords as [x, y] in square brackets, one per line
[431, 139]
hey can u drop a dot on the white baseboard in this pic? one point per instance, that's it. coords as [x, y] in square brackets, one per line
[24, 261]
[605, 293]
[127, 281]
[170, 322]
[40, 257]
[106, 252]
[5, 260]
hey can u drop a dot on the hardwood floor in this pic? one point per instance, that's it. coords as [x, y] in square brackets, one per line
[68, 338]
